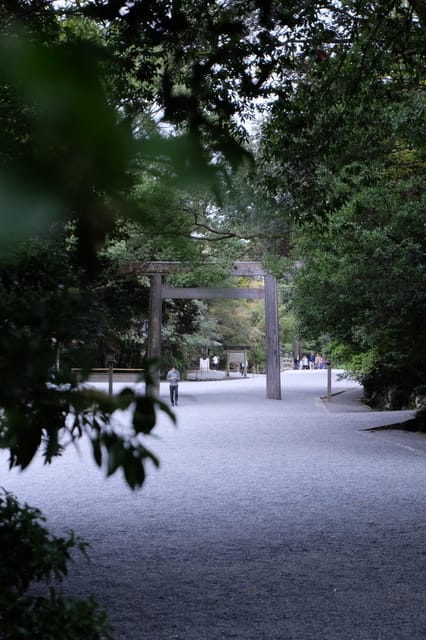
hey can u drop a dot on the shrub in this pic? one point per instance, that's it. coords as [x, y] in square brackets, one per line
[29, 554]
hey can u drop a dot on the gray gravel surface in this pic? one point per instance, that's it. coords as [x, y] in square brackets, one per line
[274, 520]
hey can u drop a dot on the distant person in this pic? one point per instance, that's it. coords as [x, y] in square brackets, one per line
[318, 360]
[311, 360]
[305, 362]
[215, 361]
[173, 377]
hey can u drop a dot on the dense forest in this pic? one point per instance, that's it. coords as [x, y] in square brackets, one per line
[204, 132]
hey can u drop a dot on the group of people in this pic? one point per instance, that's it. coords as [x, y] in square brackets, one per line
[311, 361]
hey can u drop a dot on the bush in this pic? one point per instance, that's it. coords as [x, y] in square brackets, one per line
[29, 554]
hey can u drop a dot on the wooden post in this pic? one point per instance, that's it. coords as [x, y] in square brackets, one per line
[154, 334]
[273, 373]
[328, 380]
[110, 361]
[110, 377]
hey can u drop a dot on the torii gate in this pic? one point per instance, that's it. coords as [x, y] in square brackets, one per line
[159, 292]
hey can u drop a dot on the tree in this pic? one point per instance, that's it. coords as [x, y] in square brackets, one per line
[364, 276]
[242, 322]
[346, 113]
[345, 145]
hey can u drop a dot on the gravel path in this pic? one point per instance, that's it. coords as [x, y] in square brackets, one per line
[274, 520]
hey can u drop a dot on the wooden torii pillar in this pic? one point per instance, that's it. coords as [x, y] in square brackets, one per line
[155, 316]
[159, 292]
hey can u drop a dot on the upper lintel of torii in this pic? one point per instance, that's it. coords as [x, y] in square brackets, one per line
[164, 268]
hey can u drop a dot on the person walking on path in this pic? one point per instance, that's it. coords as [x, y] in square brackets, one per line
[173, 377]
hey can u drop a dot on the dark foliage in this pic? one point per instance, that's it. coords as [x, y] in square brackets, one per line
[33, 563]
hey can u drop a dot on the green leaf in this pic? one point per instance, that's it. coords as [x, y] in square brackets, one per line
[116, 453]
[134, 471]
[144, 415]
[125, 398]
[97, 451]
